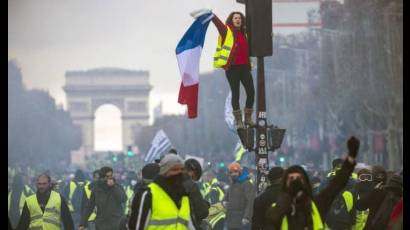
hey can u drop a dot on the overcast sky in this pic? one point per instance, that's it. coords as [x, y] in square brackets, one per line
[49, 37]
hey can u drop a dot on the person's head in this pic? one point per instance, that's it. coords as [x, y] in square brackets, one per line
[173, 151]
[106, 173]
[208, 176]
[275, 174]
[96, 175]
[235, 170]
[295, 179]
[171, 165]
[149, 172]
[193, 169]
[379, 174]
[364, 181]
[43, 183]
[337, 163]
[18, 183]
[237, 20]
[79, 175]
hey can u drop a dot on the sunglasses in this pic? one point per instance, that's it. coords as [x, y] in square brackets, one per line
[365, 177]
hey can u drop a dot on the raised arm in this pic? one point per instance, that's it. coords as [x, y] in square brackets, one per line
[220, 26]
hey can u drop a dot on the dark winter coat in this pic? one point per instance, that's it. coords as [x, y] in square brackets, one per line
[261, 204]
[374, 200]
[110, 206]
[240, 197]
[323, 200]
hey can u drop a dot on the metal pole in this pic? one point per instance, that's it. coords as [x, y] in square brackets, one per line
[261, 151]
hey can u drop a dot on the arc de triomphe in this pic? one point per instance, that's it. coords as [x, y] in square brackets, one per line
[128, 90]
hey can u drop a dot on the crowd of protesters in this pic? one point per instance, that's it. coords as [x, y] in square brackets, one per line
[173, 193]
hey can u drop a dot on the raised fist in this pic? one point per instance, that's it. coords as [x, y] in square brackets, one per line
[353, 145]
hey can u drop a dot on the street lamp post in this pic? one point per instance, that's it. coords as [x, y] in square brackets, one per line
[268, 138]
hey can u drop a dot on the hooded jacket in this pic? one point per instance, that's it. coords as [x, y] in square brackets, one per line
[323, 201]
[376, 197]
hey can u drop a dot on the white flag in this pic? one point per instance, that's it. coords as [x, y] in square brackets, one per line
[159, 144]
[229, 118]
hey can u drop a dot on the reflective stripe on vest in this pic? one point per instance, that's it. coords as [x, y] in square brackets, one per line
[205, 188]
[51, 218]
[21, 202]
[130, 193]
[217, 218]
[88, 194]
[223, 51]
[164, 213]
[316, 219]
[361, 219]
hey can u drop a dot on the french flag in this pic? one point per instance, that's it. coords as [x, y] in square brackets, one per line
[188, 52]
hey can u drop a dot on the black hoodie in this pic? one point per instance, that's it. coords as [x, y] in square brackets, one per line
[323, 200]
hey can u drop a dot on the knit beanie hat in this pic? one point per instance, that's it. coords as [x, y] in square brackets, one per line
[150, 171]
[169, 161]
[235, 167]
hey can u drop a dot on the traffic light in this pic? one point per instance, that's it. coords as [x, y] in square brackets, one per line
[130, 153]
[282, 159]
[259, 27]
[114, 158]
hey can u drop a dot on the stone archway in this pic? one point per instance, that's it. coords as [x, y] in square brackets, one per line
[128, 90]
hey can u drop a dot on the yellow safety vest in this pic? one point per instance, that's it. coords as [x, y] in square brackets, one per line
[164, 213]
[361, 218]
[51, 218]
[223, 51]
[27, 190]
[88, 194]
[316, 219]
[348, 198]
[205, 188]
[130, 193]
[216, 213]
[214, 186]
[21, 202]
[73, 186]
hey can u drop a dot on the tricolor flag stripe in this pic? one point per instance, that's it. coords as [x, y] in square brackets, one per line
[188, 53]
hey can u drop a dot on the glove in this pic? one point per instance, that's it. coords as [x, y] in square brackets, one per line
[353, 145]
[198, 13]
[225, 204]
[189, 184]
[245, 221]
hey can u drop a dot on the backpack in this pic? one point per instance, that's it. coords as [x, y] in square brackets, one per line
[340, 216]
[382, 216]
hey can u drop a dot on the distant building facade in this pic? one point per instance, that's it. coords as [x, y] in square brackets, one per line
[128, 90]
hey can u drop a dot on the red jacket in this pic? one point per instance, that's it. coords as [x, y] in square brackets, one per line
[240, 51]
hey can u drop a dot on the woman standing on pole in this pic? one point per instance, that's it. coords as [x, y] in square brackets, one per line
[232, 54]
